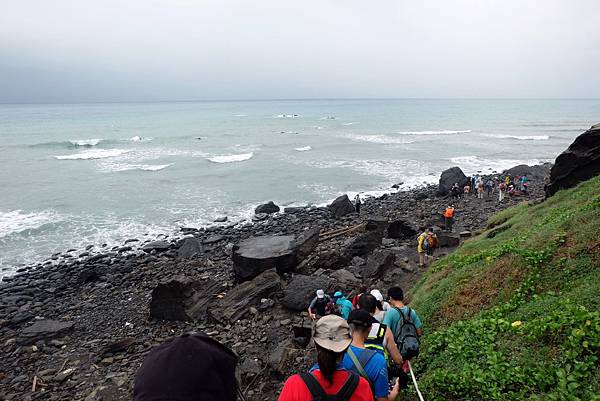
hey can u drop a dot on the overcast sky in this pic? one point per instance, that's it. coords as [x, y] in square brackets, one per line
[120, 50]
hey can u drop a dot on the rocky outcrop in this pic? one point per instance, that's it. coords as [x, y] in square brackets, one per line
[158, 246]
[267, 208]
[341, 207]
[281, 252]
[377, 264]
[400, 229]
[449, 178]
[44, 330]
[237, 301]
[182, 299]
[537, 172]
[580, 162]
[363, 244]
[302, 289]
[377, 223]
[189, 248]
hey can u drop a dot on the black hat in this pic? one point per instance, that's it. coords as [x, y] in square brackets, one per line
[361, 317]
[192, 367]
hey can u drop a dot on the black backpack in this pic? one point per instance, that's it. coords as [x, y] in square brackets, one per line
[318, 394]
[406, 336]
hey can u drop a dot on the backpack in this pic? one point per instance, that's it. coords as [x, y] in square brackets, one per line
[360, 363]
[406, 336]
[431, 241]
[318, 394]
[425, 244]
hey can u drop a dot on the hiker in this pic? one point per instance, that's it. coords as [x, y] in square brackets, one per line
[473, 183]
[480, 189]
[407, 328]
[357, 203]
[501, 189]
[190, 367]
[489, 188]
[380, 337]
[381, 305]
[524, 183]
[361, 291]
[344, 305]
[449, 217]
[368, 363]
[421, 248]
[507, 180]
[466, 190]
[455, 191]
[432, 242]
[319, 305]
[332, 338]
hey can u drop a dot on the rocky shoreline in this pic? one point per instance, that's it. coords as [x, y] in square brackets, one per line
[79, 326]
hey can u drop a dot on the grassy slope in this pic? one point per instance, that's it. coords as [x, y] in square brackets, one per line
[513, 313]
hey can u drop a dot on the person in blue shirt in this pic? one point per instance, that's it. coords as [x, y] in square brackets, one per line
[392, 316]
[343, 303]
[369, 364]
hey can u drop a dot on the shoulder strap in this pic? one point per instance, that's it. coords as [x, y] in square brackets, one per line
[360, 367]
[365, 357]
[316, 390]
[349, 387]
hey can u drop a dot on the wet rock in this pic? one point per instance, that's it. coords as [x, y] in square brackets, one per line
[377, 223]
[363, 244]
[345, 279]
[267, 208]
[449, 178]
[182, 298]
[158, 246]
[213, 239]
[341, 206]
[221, 219]
[580, 162]
[302, 289]
[448, 240]
[333, 259]
[238, 300]
[401, 229]
[44, 330]
[377, 264]
[281, 252]
[189, 248]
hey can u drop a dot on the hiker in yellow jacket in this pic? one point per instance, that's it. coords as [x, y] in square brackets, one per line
[421, 248]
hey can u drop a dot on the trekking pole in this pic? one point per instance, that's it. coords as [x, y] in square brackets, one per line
[241, 395]
[414, 379]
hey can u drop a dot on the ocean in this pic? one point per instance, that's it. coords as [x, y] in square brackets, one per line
[75, 175]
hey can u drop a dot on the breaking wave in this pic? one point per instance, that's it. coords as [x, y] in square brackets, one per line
[522, 138]
[85, 142]
[440, 132]
[231, 158]
[93, 154]
[382, 139]
[17, 221]
[474, 164]
[303, 149]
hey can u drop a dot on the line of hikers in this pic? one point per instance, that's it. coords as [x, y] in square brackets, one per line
[366, 338]
[516, 185]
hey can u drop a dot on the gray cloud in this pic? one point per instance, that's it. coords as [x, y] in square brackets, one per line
[62, 51]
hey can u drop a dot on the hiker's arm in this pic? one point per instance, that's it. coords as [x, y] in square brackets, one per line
[392, 347]
[310, 308]
[420, 331]
[394, 392]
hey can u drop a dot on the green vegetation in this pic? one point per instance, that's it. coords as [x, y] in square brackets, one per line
[513, 313]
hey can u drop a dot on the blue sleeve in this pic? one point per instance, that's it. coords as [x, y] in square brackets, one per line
[390, 319]
[380, 373]
[416, 319]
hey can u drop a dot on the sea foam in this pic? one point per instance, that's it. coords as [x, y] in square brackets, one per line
[17, 221]
[231, 158]
[93, 154]
[303, 149]
[440, 132]
[522, 138]
[382, 139]
[85, 142]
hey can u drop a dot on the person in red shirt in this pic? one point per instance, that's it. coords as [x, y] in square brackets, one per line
[332, 338]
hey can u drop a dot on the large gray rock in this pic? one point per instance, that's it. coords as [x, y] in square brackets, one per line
[378, 263]
[189, 248]
[363, 244]
[449, 178]
[237, 301]
[158, 246]
[538, 172]
[282, 252]
[267, 208]
[377, 223]
[44, 330]
[341, 207]
[182, 299]
[580, 162]
[345, 280]
[302, 289]
[400, 229]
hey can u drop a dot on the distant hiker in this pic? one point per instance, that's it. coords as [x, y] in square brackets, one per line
[455, 190]
[344, 305]
[332, 338]
[368, 363]
[489, 188]
[357, 203]
[190, 367]
[421, 245]
[361, 291]
[473, 183]
[466, 190]
[319, 305]
[524, 183]
[406, 326]
[511, 191]
[501, 189]
[449, 217]
[432, 242]
[380, 337]
[381, 305]
[480, 189]
[507, 181]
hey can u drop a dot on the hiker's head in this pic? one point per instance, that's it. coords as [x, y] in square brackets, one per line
[360, 322]
[190, 367]
[320, 294]
[332, 337]
[396, 294]
[362, 289]
[337, 295]
[368, 303]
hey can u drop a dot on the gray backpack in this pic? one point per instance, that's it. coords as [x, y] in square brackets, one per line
[406, 335]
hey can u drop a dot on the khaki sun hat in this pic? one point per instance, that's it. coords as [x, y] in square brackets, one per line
[333, 333]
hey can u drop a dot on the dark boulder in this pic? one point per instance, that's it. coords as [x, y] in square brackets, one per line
[377, 264]
[377, 223]
[538, 172]
[341, 207]
[345, 280]
[332, 259]
[449, 178]
[182, 299]
[302, 289]
[158, 246]
[282, 252]
[44, 330]
[237, 301]
[580, 162]
[363, 244]
[189, 248]
[267, 208]
[448, 240]
[400, 229]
